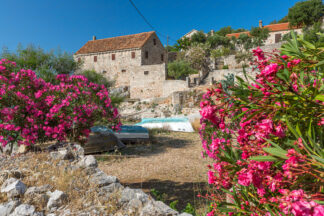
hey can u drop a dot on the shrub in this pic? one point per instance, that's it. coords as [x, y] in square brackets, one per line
[33, 110]
[45, 64]
[179, 69]
[225, 67]
[266, 136]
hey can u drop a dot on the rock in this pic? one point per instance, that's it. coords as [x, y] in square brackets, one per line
[24, 210]
[13, 187]
[185, 214]
[56, 199]
[128, 194]
[8, 207]
[78, 150]
[88, 161]
[37, 190]
[110, 188]
[101, 179]
[62, 154]
[5, 174]
[157, 208]
[165, 209]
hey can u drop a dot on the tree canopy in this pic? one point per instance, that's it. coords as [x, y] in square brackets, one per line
[306, 13]
[45, 64]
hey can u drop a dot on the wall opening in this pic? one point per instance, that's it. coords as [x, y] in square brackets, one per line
[277, 38]
[146, 72]
[154, 41]
[146, 54]
[113, 56]
[95, 58]
[133, 54]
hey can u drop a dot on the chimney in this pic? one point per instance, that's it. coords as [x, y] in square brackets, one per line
[260, 24]
[94, 38]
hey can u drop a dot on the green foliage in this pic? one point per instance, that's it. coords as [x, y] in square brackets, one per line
[259, 35]
[216, 40]
[306, 13]
[243, 57]
[225, 30]
[225, 67]
[311, 34]
[174, 204]
[158, 195]
[217, 53]
[98, 78]
[179, 69]
[46, 64]
[182, 44]
[189, 209]
[198, 37]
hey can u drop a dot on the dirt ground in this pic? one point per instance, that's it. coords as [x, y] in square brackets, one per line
[171, 164]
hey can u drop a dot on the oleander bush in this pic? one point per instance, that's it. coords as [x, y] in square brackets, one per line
[32, 110]
[266, 135]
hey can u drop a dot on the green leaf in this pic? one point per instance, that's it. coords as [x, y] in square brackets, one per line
[320, 63]
[319, 97]
[276, 152]
[319, 202]
[321, 160]
[263, 158]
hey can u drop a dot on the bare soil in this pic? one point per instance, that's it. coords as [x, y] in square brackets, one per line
[171, 163]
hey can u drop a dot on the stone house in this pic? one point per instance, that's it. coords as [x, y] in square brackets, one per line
[276, 31]
[189, 34]
[131, 60]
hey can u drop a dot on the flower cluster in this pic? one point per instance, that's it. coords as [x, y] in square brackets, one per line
[33, 110]
[245, 132]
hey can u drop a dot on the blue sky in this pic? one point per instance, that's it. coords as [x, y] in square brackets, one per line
[68, 24]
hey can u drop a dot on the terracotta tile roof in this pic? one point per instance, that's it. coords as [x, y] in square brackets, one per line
[272, 28]
[237, 34]
[115, 43]
[279, 27]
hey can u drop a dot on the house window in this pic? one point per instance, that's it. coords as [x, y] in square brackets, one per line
[104, 72]
[162, 57]
[95, 58]
[146, 72]
[146, 54]
[277, 38]
[133, 54]
[123, 70]
[79, 60]
[113, 56]
[154, 41]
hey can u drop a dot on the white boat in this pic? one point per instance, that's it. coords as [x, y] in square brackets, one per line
[172, 124]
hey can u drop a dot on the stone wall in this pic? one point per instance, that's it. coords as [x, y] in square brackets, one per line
[170, 86]
[156, 52]
[220, 74]
[147, 81]
[118, 69]
[272, 36]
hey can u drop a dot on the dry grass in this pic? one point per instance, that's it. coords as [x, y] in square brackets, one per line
[171, 163]
[196, 125]
[39, 170]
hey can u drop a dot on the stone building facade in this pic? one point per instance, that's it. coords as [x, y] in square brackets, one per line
[276, 32]
[125, 59]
